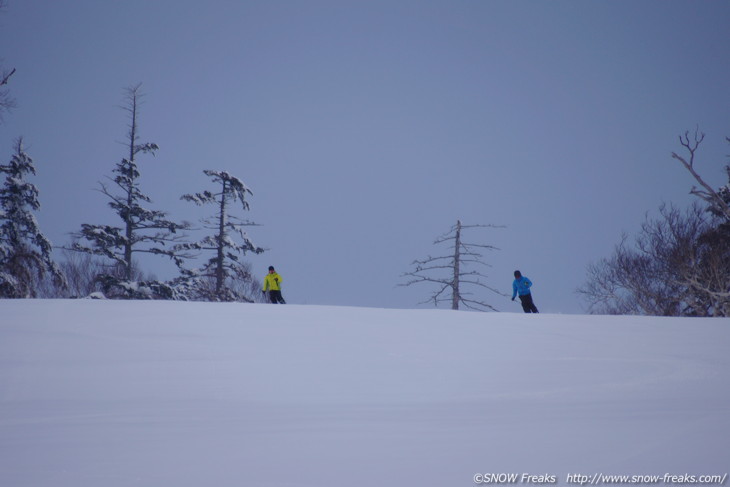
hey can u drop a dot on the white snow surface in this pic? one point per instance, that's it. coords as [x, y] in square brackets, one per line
[143, 393]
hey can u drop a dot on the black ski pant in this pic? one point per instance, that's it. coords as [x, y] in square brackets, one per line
[275, 297]
[527, 305]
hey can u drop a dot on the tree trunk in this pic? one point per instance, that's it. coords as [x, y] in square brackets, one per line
[219, 275]
[455, 297]
[129, 230]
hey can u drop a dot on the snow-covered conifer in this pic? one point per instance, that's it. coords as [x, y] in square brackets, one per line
[25, 253]
[210, 281]
[142, 230]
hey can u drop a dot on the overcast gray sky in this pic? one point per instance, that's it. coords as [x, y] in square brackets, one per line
[366, 129]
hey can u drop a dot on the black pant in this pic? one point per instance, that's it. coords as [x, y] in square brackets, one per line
[276, 297]
[527, 305]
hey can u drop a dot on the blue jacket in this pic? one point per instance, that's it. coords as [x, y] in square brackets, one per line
[521, 286]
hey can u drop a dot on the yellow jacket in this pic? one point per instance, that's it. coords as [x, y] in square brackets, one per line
[272, 282]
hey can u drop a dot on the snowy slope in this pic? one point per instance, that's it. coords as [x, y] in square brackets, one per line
[109, 393]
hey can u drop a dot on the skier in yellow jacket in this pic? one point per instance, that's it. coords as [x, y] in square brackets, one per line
[272, 283]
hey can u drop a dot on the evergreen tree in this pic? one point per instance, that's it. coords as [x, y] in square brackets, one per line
[142, 230]
[212, 281]
[25, 253]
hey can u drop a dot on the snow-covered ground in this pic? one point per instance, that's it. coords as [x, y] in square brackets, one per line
[110, 393]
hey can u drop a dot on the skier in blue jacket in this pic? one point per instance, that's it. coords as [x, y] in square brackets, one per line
[521, 286]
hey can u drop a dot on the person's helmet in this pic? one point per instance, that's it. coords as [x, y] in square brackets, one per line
[271, 267]
[518, 274]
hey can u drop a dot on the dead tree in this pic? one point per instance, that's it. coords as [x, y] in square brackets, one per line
[455, 265]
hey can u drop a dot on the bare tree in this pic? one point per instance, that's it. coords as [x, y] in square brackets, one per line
[81, 271]
[455, 265]
[718, 201]
[678, 265]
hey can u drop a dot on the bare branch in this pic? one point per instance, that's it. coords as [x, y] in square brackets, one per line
[709, 195]
[678, 265]
[462, 254]
[6, 77]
